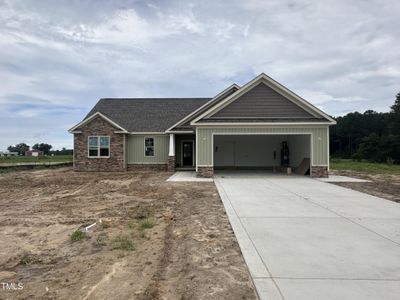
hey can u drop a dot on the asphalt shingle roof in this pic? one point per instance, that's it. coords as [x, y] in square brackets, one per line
[147, 114]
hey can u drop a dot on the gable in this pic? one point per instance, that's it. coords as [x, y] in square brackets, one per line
[184, 124]
[98, 117]
[262, 102]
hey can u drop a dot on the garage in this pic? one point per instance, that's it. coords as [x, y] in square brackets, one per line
[274, 152]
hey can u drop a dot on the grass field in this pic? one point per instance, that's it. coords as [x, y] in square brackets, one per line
[22, 159]
[372, 168]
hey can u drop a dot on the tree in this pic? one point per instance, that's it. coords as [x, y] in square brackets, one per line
[21, 148]
[42, 147]
[394, 116]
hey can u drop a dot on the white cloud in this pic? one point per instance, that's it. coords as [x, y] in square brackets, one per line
[340, 55]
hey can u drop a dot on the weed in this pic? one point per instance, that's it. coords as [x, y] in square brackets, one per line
[77, 235]
[147, 224]
[131, 224]
[101, 240]
[122, 242]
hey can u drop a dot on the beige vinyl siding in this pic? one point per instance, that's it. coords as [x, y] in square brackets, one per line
[135, 149]
[319, 140]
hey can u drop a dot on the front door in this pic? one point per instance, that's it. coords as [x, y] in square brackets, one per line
[187, 153]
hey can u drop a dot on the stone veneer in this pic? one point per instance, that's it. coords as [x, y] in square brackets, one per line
[205, 171]
[171, 163]
[156, 167]
[319, 171]
[98, 127]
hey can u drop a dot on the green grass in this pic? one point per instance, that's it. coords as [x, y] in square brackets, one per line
[147, 224]
[122, 242]
[77, 235]
[22, 159]
[367, 167]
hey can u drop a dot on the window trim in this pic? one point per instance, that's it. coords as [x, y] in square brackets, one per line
[154, 146]
[98, 146]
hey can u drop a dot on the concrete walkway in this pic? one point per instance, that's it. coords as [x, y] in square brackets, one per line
[306, 239]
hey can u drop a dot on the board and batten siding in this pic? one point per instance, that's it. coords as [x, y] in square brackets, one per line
[135, 149]
[319, 139]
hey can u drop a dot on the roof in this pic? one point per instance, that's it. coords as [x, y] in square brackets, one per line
[146, 114]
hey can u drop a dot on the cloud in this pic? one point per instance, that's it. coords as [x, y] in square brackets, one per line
[58, 59]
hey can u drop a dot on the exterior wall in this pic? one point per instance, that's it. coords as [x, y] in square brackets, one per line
[141, 167]
[319, 171]
[135, 149]
[262, 102]
[98, 127]
[205, 172]
[319, 150]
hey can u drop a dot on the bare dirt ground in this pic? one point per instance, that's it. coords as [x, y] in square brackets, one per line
[189, 253]
[386, 186]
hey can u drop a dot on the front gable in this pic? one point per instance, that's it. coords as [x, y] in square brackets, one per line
[95, 117]
[263, 100]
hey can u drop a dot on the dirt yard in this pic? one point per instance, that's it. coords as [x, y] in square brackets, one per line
[156, 239]
[382, 185]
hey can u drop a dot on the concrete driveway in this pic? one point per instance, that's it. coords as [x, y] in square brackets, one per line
[306, 239]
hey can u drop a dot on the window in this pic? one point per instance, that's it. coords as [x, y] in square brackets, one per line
[148, 146]
[99, 146]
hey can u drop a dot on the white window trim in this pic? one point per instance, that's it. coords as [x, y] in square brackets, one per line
[154, 146]
[98, 146]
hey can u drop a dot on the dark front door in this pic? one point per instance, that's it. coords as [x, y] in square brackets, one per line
[187, 153]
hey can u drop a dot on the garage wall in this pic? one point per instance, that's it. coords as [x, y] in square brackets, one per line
[319, 140]
[299, 148]
[247, 150]
[134, 149]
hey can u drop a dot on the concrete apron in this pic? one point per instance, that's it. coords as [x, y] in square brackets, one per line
[306, 239]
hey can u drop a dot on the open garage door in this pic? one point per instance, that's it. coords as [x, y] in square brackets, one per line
[263, 152]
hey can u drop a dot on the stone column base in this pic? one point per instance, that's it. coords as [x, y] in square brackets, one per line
[319, 172]
[205, 171]
[171, 163]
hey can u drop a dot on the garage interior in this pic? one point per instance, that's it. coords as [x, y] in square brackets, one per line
[275, 153]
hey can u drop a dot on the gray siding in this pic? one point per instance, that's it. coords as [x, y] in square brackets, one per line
[262, 102]
[135, 149]
[319, 151]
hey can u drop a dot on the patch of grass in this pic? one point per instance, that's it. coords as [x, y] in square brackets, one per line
[77, 235]
[122, 242]
[131, 224]
[22, 159]
[101, 240]
[367, 167]
[147, 224]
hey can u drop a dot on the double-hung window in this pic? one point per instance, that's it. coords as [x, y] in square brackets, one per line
[148, 146]
[99, 146]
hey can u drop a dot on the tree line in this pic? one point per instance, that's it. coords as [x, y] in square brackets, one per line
[370, 136]
[21, 148]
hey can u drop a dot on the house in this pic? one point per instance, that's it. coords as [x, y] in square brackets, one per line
[34, 153]
[259, 125]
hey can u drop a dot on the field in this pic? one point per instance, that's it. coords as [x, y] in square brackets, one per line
[23, 159]
[384, 178]
[153, 239]
[367, 167]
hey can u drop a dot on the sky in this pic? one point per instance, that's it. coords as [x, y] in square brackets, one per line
[57, 58]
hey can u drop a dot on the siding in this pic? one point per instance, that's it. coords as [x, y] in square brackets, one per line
[319, 140]
[135, 149]
[262, 102]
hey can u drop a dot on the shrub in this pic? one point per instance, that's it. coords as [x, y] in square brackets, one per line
[122, 242]
[147, 224]
[77, 235]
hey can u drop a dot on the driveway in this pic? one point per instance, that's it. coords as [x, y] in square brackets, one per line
[306, 239]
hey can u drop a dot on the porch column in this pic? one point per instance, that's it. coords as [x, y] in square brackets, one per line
[171, 154]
